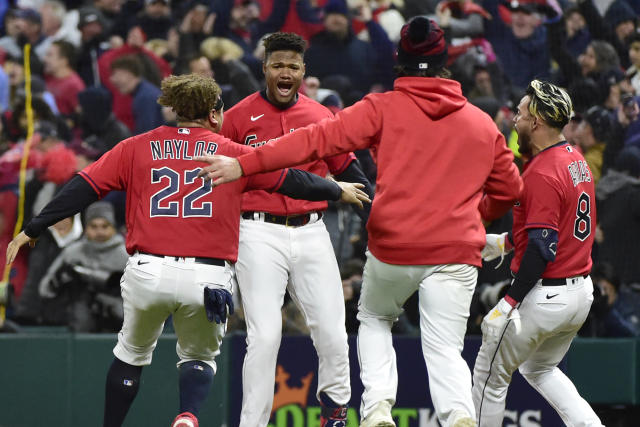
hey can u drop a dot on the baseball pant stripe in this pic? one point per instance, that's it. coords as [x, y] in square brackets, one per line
[493, 358]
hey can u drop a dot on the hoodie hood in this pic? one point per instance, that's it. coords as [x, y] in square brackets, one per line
[612, 182]
[435, 96]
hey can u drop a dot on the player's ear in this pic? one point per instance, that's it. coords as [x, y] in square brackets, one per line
[212, 118]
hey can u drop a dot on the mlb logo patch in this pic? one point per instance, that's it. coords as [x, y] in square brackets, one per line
[184, 131]
[128, 383]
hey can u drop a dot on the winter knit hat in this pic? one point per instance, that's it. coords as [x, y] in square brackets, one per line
[100, 209]
[618, 12]
[336, 6]
[422, 45]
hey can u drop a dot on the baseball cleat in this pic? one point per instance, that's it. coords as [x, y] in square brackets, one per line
[380, 416]
[185, 419]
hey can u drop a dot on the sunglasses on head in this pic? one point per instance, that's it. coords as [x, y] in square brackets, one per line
[219, 104]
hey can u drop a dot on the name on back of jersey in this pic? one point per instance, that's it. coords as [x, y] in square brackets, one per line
[177, 149]
[579, 172]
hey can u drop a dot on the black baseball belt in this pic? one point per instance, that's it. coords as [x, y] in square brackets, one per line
[290, 220]
[560, 282]
[197, 260]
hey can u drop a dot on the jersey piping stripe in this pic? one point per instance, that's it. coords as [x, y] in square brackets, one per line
[280, 181]
[490, 366]
[344, 165]
[91, 182]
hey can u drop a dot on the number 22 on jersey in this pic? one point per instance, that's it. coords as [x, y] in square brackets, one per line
[188, 206]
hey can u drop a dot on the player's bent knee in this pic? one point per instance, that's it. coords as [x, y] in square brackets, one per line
[265, 339]
[536, 376]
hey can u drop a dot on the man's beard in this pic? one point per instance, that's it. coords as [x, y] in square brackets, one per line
[524, 144]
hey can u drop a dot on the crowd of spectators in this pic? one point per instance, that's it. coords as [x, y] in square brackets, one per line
[95, 69]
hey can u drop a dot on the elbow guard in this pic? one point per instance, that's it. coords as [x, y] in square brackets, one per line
[546, 241]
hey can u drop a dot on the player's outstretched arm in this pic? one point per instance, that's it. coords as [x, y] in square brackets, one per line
[221, 169]
[76, 195]
[299, 184]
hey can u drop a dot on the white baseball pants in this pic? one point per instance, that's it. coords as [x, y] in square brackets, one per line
[550, 318]
[153, 288]
[271, 259]
[445, 293]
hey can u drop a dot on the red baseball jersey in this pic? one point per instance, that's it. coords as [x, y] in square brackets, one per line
[558, 194]
[255, 121]
[170, 211]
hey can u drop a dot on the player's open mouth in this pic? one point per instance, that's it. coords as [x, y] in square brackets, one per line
[284, 89]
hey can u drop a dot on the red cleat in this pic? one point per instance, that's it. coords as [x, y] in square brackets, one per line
[185, 419]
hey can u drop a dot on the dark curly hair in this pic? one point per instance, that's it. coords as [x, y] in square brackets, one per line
[284, 41]
[191, 96]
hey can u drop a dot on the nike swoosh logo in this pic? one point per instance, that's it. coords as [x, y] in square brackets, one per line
[551, 296]
[253, 119]
[141, 263]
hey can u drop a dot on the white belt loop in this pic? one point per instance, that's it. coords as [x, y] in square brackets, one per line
[313, 217]
[574, 281]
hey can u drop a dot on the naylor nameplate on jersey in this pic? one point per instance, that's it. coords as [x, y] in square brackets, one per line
[177, 149]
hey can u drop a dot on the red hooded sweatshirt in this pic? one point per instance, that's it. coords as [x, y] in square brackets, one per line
[442, 165]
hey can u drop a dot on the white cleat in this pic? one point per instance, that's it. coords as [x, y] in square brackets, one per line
[380, 416]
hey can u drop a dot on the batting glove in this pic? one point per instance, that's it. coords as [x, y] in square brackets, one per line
[495, 322]
[498, 245]
[216, 301]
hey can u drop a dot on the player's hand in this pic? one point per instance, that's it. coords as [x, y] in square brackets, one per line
[221, 169]
[15, 245]
[352, 193]
[496, 320]
[216, 301]
[498, 245]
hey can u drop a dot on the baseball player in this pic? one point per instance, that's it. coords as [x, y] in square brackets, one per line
[182, 237]
[285, 245]
[425, 229]
[532, 327]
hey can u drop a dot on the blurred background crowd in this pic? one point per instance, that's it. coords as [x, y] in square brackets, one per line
[95, 71]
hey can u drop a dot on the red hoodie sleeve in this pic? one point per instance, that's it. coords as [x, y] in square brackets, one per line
[353, 128]
[503, 186]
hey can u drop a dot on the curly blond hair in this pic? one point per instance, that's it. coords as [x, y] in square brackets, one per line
[191, 96]
[220, 48]
[549, 102]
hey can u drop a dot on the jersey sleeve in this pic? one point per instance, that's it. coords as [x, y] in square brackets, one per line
[543, 200]
[338, 163]
[353, 128]
[270, 181]
[503, 185]
[109, 172]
